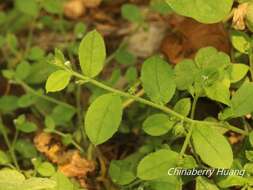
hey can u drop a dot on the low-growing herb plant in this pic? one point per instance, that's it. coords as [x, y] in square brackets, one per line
[158, 104]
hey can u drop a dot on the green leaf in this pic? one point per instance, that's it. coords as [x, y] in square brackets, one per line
[27, 127]
[36, 53]
[57, 81]
[36, 183]
[185, 73]
[240, 41]
[237, 72]
[209, 57]
[103, 118]
[8, 103]
[39, 72]
[208, 140]
[92, 54]
[131, 75]
[23, 70]
[46, 169]
[251, 138]
[10, 179]
[161, 7]
[4, 158]
[217, 9]
[131, 13]
[157, 80]
[183, 106]
[242, 101]
[63, 183]
[156, 165]
[27, 100]
[53, 6]
[230, 181]
[62, 114]
[121, 173]
[80, 29]
[203, 183]
[218, 92]
[157, 124]
[25, 148]
[124, 57]
[249, 155]
[165, 183]
[29, 7]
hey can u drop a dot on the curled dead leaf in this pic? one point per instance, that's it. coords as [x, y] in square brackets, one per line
[76, 165]
[239, 16]
[188, 35]
[74, 9]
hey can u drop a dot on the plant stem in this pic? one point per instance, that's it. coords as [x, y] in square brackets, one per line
[72, 141]
[8, 143]
[154, 105]
[45, 97]
[189, 134]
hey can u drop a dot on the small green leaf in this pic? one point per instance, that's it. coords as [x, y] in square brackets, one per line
[240, 41]
[4, 158]
[230, 181]
[46, 169]
[237, 72]
[61, 114]
[165, 183]
[185, 73]
[80, 29]
[161, 7]
[39, 72]
[23, 70]
[157, 80]
[156, 165]
[92, 54]
[242, 101]
[203, 183]
[183, 106]
[251, 138]
[198, 9]
[103, 118]
[27, 127]
[124, 57]
[121, 173]
[8, 103]
[207, 139]
[25, 148]
[36, 183]
[218, 92]
[157, 124]
[249, 155]
[27, 100]
[29, 7]
[131, 13]
[209, 57]
[36, 53]
[53, 6]
[63, 183]
[58, 81]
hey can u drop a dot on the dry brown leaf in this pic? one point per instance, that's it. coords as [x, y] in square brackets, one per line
[239, 16]
[48, 145]
[189, 36]
[91, 3]
[74, 9]
[70, 162]
[77, 166]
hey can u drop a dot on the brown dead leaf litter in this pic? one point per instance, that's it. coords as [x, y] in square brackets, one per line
[70, 162]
